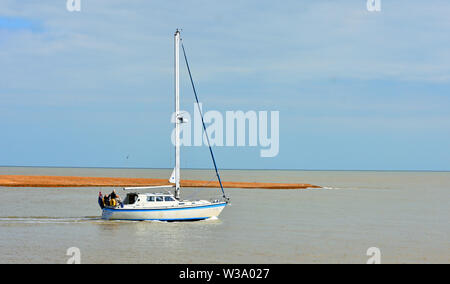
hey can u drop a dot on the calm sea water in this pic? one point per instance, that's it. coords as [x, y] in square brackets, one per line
[405, 214]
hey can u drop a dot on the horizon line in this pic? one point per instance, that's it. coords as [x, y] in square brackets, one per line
[226, 169]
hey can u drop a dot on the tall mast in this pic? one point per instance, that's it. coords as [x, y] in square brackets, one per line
[178, 118]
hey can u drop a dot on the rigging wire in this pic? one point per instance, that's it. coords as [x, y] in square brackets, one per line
[195, 193]
[203, 122]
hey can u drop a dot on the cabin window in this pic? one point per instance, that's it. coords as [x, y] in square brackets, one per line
[159, 198]
[130, 198]
[168, 198]
[150, 198]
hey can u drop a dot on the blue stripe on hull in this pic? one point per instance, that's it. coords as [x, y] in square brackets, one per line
[165, 220]
[165, 209]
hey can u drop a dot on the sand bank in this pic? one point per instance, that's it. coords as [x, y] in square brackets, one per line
[71, 181]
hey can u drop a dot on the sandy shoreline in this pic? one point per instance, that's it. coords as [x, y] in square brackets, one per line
[73, 181]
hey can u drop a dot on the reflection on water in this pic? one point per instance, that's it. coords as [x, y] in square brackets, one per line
[403, 214]
[64, 220]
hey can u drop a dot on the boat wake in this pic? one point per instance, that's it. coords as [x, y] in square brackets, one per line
[213, 218]
[330, 187]
[48, 220]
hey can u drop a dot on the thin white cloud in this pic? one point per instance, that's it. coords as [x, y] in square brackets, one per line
[292, 41]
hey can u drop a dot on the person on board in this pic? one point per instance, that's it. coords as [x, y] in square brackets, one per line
[106, 200]
[114, 196]
[100, 200]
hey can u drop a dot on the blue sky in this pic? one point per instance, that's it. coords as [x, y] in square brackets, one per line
[355, 89]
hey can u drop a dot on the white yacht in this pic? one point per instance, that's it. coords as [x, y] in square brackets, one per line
[162, 207]
[168, 206]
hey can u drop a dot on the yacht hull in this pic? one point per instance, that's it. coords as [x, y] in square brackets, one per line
[191, 213]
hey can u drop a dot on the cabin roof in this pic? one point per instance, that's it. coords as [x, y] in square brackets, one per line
[153, 193]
